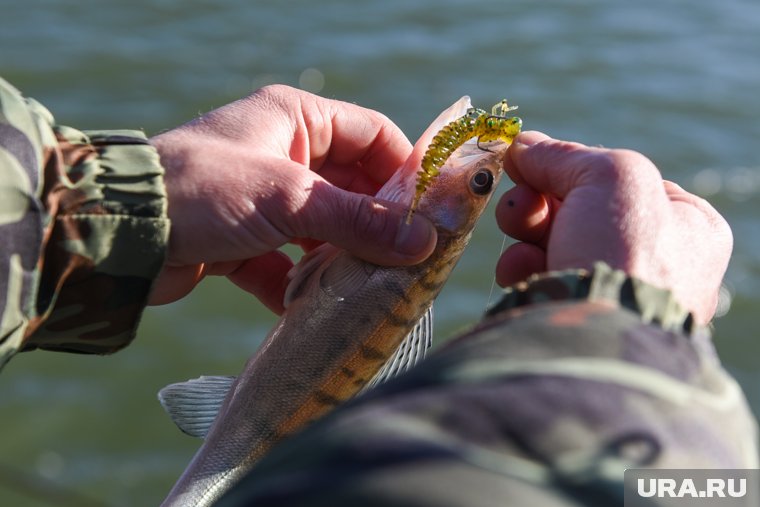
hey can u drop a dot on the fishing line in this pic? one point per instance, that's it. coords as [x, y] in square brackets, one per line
[493, 281]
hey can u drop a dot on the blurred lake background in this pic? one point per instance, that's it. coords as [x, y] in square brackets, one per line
[676, 80]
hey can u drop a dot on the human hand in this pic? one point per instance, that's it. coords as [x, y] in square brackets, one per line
[573, 205]
[279, 166]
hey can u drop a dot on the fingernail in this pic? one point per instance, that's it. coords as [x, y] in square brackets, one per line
[414, 238]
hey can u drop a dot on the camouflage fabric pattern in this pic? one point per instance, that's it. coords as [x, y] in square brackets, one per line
[83, 227]
[653, 304]
[544, 403]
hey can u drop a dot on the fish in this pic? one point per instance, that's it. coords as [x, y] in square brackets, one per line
[347, 324]
[474, 123]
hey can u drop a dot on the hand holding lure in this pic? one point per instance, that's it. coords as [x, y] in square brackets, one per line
[475, 123]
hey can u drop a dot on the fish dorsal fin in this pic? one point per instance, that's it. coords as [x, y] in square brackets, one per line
[345, 275]
[301, 272]
[410, 352]
[193, 405]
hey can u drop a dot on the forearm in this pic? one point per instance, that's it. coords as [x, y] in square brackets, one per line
[84, 230]
[541, 402]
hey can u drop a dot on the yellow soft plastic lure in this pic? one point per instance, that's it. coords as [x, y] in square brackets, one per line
[475, 123]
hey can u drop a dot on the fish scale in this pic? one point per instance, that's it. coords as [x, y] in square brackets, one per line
[345, 323]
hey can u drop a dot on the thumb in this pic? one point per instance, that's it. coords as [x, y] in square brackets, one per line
[370, 228]
[557, 168]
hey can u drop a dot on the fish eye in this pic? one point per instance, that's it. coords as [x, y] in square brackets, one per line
[481, 182]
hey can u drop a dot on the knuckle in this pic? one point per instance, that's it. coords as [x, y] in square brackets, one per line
[272, 91]
[628, 170]
[369, 219]
[717, 224]
[274, 97]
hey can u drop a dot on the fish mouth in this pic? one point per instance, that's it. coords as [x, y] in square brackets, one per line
[455, 212]
[474, 149]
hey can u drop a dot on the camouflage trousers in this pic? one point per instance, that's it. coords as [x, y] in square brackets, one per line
[545, 405]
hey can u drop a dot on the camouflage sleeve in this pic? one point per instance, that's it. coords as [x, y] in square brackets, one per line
[571, 379]
[83, 230]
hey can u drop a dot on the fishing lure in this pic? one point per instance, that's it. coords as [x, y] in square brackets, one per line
[475, 123]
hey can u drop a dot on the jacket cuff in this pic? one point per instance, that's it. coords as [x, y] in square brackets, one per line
[106, 245]
[603, 284]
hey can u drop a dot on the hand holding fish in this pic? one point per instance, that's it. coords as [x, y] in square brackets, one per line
[574, 205]
[281, 166]
[349, 323]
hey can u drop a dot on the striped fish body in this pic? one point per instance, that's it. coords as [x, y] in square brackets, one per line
[344, 319]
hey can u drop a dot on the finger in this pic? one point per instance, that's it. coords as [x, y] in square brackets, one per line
[175, 282]
[524, 214]
[518, 262]
[677, 194]
[307, 244]
[265, 277]
[372, 229]
[548, 165]
[696, 215]
[527, 138]
[672, 188]
[692, 210]
[351, 177]
[367, 137]
[558, 167]
[345, 135]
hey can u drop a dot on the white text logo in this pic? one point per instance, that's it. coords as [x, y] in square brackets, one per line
[671, 488]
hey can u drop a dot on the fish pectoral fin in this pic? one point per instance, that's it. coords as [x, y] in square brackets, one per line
[193, 405]
[410, 352]
[345, 275]
[301, 272]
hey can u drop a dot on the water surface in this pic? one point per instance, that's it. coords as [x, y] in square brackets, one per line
[675, 80]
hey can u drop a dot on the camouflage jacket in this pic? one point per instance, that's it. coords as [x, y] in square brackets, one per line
[83, 231]
[571, 379]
